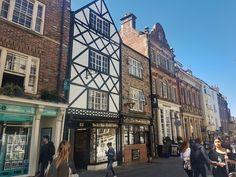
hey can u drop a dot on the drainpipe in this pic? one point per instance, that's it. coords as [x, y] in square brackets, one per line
[60, 51]
[151, 126]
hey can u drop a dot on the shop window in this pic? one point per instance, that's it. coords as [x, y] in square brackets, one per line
[29, 14]
[14, 148]
[20, 69]
[104, 136]
[135, 134]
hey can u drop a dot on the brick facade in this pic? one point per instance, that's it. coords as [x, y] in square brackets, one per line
[44, 46]
[130, 81]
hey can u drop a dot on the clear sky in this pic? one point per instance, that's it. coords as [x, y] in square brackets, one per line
[202, 33]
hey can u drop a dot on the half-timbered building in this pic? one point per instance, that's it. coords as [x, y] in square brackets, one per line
[94, 94]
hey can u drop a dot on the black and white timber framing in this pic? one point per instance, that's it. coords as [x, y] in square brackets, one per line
[95, 64]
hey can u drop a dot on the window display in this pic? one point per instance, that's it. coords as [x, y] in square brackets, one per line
[14, 150]
[135, 134]
[104, 135]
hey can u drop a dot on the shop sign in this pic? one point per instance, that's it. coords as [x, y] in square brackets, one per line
[17, 109]
[135, 154]
[15, 118]
[49, 112]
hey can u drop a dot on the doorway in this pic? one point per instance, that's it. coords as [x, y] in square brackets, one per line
[81, 148]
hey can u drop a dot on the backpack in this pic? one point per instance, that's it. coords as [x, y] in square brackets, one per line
[196, 156]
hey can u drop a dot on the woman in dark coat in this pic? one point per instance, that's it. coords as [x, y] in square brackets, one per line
[60, 166]
[219, 155]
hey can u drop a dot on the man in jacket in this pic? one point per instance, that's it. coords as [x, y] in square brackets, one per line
[199, 159]
[47, 151]
[110, 158]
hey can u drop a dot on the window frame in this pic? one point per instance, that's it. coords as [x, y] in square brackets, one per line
[139, 100]
[102, 67]
[28, 64]
[135, 68]
[35, 9]
[101, 102]
[103, 29]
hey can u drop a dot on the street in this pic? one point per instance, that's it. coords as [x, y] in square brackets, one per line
[161, 167]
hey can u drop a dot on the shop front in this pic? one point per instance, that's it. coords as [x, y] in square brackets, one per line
[90, 142]
[22, 123]
[135, 140]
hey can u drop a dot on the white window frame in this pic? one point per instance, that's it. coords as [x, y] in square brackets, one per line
[135, 68]
[34, 14]
[29, 60]
[97, 100]
[98, 61]
[99, 24]
[137, 97]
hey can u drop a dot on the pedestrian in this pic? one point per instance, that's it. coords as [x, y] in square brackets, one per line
[185, 156]
[47, 151]
[219, 154]
[110, 158]
[199, 158]
[59, 166]
[226, 144]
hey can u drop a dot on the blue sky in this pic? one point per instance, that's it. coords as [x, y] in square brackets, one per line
[202, 33]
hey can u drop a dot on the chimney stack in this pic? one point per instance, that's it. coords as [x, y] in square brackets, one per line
[129, 19]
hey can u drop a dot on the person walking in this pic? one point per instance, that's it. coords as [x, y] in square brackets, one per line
[47, 151]
[110, 158]
[199, 158]
[59, 166]
[219, 154]
[185, 156]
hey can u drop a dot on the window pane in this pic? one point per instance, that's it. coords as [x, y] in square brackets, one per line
[22, 13]
[98, 61]
[5, 8]
[97, 100]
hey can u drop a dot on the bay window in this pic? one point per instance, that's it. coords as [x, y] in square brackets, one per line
[19, 69]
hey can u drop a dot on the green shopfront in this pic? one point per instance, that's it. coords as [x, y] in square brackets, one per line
[22, 125]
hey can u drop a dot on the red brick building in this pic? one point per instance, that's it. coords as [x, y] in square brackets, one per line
[136, 105]
[34, 39]
[153, 44]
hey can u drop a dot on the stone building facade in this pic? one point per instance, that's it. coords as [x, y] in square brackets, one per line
[224, 113]
[34, 39]
[136, 105]
[191, 100]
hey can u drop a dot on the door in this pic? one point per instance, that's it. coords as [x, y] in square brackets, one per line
[81, 148]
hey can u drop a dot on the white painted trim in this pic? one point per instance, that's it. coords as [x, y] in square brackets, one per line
[27, 69]
[17, 100]
[34, 15]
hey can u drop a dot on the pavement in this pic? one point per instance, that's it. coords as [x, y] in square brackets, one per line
[162, 167]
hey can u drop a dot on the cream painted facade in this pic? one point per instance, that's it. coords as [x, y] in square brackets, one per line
[168, 114]
[209, 108]
[190, 98]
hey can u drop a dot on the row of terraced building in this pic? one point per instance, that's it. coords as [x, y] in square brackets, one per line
[73, 75]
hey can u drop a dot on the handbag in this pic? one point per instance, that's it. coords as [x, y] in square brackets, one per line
[187, 165]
